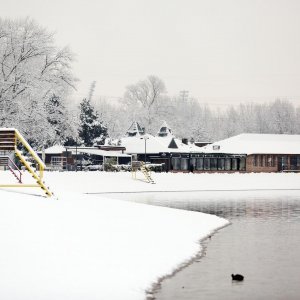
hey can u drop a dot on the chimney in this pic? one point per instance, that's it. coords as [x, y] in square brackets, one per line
[185, 141]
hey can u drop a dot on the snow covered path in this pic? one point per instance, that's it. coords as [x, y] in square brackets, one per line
[87, 246]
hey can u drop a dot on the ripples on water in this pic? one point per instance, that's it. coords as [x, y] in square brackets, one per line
[262, 243]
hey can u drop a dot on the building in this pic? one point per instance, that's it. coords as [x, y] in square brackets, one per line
[69, 158]
[241, 153]
[163, 148]
[257, 153]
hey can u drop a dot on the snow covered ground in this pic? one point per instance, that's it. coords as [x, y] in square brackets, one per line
[89, 246]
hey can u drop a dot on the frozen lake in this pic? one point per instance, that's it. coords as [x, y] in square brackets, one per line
[262, 243]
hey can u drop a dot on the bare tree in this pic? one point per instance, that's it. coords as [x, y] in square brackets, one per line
[91, 91]
[144, 97]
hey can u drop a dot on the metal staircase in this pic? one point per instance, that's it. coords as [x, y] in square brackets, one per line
[10, 142]
[6, 162]
[146, 173]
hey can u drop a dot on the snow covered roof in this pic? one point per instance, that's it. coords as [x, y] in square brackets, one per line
[136, 144]
[7, 129]
[134, 130]
[156, 145]
[249, 143]
[56, 149]
[164, 130]
[103, 153]
[59, 149]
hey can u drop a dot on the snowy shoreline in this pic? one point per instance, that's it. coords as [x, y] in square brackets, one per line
[91, 247]
[157, 285]
[95, 246]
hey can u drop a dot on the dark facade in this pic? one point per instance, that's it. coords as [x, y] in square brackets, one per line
[198, 162]
[208, 162]
[211, 162]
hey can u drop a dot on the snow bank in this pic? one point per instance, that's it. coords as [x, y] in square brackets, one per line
[90, 247]
[101, 182]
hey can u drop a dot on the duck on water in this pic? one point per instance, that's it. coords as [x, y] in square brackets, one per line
[237, 277]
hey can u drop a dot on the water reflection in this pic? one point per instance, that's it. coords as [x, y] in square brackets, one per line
[262, 243]
[262, 209]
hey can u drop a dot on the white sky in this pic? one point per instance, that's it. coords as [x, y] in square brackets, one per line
[221, 51]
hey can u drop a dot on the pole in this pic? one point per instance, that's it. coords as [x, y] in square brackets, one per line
[66, 160]
[145, 150]
[76, 156]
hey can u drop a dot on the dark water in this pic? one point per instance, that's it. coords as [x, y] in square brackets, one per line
[262, 243]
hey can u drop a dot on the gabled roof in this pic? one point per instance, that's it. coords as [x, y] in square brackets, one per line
[164, 130]
[250, 143]
[164, 141]
[134, 130]
[173, 144]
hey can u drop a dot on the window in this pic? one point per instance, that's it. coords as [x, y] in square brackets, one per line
[270, 161]
[193, 162]
[255, 160]
[265, 163]
[284, 162]
[293, 162]
[184, 163]
[234, 164]
[199, 164]
[242, 163]
[176, 163]
[206, 163]
[213, 163]
[298, 161]
[221, 164]
[227, 164]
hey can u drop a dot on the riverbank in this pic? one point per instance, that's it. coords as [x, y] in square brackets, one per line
[86, 246]
[79, 246]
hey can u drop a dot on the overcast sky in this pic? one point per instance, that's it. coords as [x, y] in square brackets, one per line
[221, 51]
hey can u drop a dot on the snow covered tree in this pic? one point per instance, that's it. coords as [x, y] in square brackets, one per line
[116, 117]
[91, 130]
[143, 99]
[60, 120]
[231, 125]
[282, 117]
[32, 70]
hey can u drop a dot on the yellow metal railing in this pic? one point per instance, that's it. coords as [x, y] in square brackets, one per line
[37, 159]
[140, 165]
[40, 166]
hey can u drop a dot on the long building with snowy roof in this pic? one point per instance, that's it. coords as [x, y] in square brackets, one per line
[241, 153]
[262, 152]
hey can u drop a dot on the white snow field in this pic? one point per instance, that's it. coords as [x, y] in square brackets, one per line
[80, 246]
